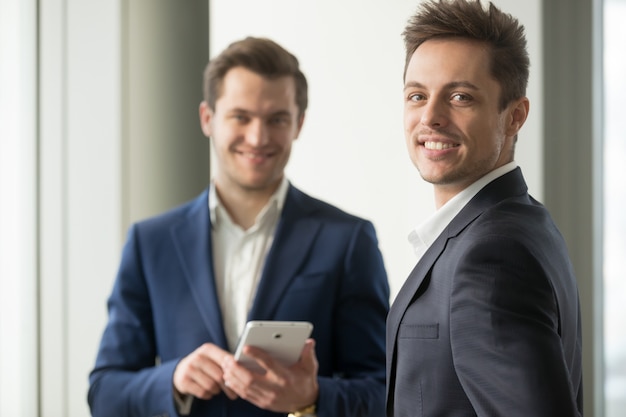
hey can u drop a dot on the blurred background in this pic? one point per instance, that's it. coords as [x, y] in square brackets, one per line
[99, 128]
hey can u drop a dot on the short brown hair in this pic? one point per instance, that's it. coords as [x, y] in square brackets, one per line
[261, 56]
[468, 19]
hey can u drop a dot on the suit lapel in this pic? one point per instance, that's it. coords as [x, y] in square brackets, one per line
[408, 292]
[295, 234]
[192, 239]
[413, 282]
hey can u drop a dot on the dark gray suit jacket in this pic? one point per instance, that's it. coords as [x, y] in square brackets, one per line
[488, 322]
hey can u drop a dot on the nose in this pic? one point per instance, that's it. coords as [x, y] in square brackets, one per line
[434, 113]
[256, 133]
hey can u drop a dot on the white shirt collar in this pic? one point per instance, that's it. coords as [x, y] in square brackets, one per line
[278, 198]
[425, 234]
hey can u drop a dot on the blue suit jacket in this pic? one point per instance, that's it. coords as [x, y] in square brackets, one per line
[324, 266]
[488, 322]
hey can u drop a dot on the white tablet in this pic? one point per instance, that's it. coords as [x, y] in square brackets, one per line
[283, 340]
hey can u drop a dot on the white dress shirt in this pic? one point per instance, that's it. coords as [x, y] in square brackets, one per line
[239, 257]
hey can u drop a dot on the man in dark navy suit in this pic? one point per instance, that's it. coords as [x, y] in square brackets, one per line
[488, 322]
[252, 246]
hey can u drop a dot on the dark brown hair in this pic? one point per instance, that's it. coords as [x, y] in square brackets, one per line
[468, 19]
[261, 56]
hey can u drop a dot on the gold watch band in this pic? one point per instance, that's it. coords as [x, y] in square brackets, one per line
[304, 412]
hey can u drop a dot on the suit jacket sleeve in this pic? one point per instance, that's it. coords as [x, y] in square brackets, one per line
[357, 386]
[125, 380]
[505, 328]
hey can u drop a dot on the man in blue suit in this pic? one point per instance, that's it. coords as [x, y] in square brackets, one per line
[488, 322]
[252, 246]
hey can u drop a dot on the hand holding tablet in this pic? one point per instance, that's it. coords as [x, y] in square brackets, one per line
[283, 340]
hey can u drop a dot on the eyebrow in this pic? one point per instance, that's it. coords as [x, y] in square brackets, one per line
[450, 85]
[239, 110]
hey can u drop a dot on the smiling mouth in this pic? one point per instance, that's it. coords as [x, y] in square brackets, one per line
[439, 146]
[255, 155]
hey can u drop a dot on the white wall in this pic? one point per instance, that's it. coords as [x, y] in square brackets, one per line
[351, 151]
[18, 208]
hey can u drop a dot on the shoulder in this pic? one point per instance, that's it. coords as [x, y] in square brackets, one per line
[300, 202]
[517, 217]
[518, 232]
[302, 207]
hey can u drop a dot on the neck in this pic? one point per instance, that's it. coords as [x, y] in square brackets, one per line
[243, 205]
[443, 194]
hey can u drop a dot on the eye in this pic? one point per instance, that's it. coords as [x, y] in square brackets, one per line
[461, 97]
[240, 117]
[417, 97]
[280, 120]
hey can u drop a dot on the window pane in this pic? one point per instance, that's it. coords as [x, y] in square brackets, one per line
[614, 207]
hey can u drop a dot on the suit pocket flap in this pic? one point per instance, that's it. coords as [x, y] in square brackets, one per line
[419, 331]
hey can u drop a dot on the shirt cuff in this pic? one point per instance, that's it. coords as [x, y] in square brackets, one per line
[183, 403]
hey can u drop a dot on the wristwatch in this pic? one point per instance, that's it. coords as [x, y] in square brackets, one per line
[304, 412]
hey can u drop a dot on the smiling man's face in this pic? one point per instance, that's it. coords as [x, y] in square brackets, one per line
[455, 132]
[253, 126]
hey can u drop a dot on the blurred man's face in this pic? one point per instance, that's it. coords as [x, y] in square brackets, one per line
[252, 128]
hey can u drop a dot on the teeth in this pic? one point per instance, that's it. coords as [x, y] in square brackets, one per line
[438, 145]
[252, 155]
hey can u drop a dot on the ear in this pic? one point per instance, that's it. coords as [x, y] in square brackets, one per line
[518, 112]
[206, 114]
